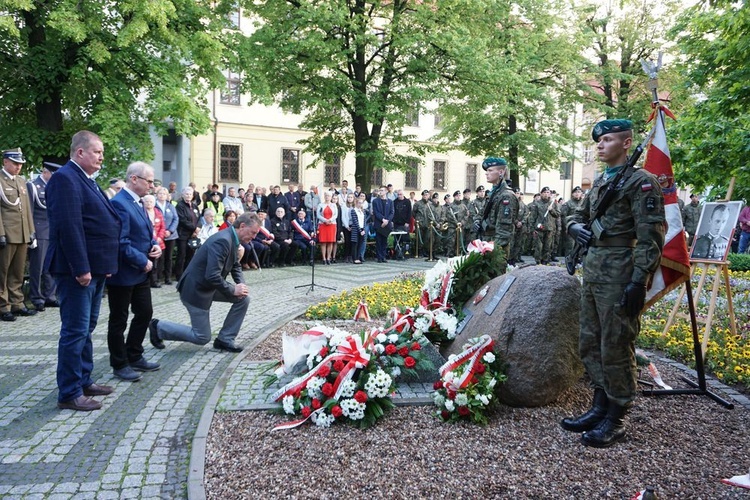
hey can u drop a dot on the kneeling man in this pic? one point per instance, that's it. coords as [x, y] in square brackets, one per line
[204, 281]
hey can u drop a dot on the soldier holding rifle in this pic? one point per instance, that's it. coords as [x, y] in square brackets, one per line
[625, 211]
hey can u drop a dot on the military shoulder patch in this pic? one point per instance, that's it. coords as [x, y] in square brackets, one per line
[646, 186]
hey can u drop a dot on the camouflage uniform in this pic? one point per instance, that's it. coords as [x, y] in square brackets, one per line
[434, 215]
[498, 220]
[690, 217]
[456, 213]
[476, 208]
[629, 251]
[567, 209]
[542, 222]
[519, 236]
[420, 213]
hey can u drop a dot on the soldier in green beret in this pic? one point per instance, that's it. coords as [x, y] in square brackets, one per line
[624, 251]
[497, 221]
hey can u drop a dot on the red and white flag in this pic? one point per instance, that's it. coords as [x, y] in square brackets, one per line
[675, 263]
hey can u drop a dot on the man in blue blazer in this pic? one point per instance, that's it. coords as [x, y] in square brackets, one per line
[204, 281]
[131, 286]
[84, 234]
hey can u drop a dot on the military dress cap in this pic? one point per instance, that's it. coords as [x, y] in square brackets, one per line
[544, 189]
[516, 190]
[426, 191]
[577, 189]
[447, 195]
[435, 195]
[467, 190]
[605, 127]
[480, 188]
[492, 161]
[456, 193]
[52, 167]
[14, 155]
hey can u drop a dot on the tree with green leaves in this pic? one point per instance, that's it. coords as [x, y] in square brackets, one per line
[112, 67]
[713, 135]
[358, 69]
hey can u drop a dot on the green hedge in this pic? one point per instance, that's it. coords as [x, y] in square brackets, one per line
[739, 261]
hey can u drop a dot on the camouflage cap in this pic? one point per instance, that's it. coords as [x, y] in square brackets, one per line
[492, 161]
[605, 127]
[577, 189]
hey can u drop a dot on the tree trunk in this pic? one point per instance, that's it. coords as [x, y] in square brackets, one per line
[513, 151]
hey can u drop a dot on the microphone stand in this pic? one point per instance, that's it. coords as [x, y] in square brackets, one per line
[311, 286]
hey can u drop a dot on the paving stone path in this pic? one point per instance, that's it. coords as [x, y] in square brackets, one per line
[138, 445]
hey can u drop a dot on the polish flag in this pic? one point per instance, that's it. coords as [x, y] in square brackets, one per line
[675, 263]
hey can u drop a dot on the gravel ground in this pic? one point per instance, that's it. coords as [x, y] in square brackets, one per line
[681, 445]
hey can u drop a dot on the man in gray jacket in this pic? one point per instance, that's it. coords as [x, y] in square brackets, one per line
[204, 281]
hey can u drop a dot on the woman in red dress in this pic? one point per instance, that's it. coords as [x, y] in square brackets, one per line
[327, 214]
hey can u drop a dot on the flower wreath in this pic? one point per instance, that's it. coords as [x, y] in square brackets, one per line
[468, 381]
[350, 377]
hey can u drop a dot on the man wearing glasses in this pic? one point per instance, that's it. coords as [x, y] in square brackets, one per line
[131, 286]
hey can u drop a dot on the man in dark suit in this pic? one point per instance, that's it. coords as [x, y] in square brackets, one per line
[84, 232]
[41, 284]
[261, 200]
[131, 286]
[204, 281]
[382, 213]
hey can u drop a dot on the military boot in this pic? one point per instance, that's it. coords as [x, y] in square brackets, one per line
[591, 418]
[610, 430]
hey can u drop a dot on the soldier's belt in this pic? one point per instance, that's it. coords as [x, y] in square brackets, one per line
[614, 242]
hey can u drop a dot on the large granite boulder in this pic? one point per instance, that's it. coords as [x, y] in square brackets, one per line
[535, 328]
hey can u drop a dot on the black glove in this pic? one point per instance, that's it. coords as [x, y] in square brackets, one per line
[3, 241]
[633, 299]
[476, 227]
[579, 233]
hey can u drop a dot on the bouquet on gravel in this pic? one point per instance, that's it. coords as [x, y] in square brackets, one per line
[466, 389]
[347, 377]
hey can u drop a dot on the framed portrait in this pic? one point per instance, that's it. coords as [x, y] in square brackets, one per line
[713, 239]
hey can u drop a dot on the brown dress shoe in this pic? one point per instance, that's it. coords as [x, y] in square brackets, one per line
[97, 390]
[81, 403]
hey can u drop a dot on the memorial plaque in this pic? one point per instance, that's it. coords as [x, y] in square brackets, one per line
[490, 308]
[467, 316]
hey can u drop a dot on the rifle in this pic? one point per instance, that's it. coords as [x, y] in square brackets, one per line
[575, 255]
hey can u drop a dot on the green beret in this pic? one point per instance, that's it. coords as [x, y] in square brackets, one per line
[605, 127]
[492, 161]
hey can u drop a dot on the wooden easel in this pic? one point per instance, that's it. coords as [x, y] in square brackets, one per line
[721, 270]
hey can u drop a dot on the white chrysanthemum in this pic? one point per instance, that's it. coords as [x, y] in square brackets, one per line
[378, 385]
[423, 323]
[324, 420]
[438, 398]
[314, 385]
[347, 388]
[379, 349]
[447, 322]
[433, 279]
[462, 399]
[382, 337]
[393, 338]
[288, 403]
[489, 357]
[449, 405]
[352, 409]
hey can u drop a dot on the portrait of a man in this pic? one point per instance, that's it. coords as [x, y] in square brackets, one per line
[714, 236]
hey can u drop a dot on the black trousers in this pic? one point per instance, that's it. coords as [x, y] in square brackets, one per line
[165, 261]
[121, 298]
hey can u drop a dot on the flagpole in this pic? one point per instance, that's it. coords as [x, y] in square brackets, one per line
[699, 388]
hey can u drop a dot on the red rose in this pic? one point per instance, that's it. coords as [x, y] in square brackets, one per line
[315, 403]
[445, 415]
[306, 411]
[474, 379]
[324, 351]
[409, 362]
[437, 385]
[327, 389]
[403, 352]
[390, 349]
[336, 411]
[360, 397]
[324, 370]
[480, 368]
[416, 346]
[338, 365]
[463, 411]
[451, 394]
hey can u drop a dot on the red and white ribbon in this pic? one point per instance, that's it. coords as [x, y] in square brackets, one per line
[268, 234]
[301, 230]
[480, 246]
[472, 356]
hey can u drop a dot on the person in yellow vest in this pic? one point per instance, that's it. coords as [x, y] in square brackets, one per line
[16, 235]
